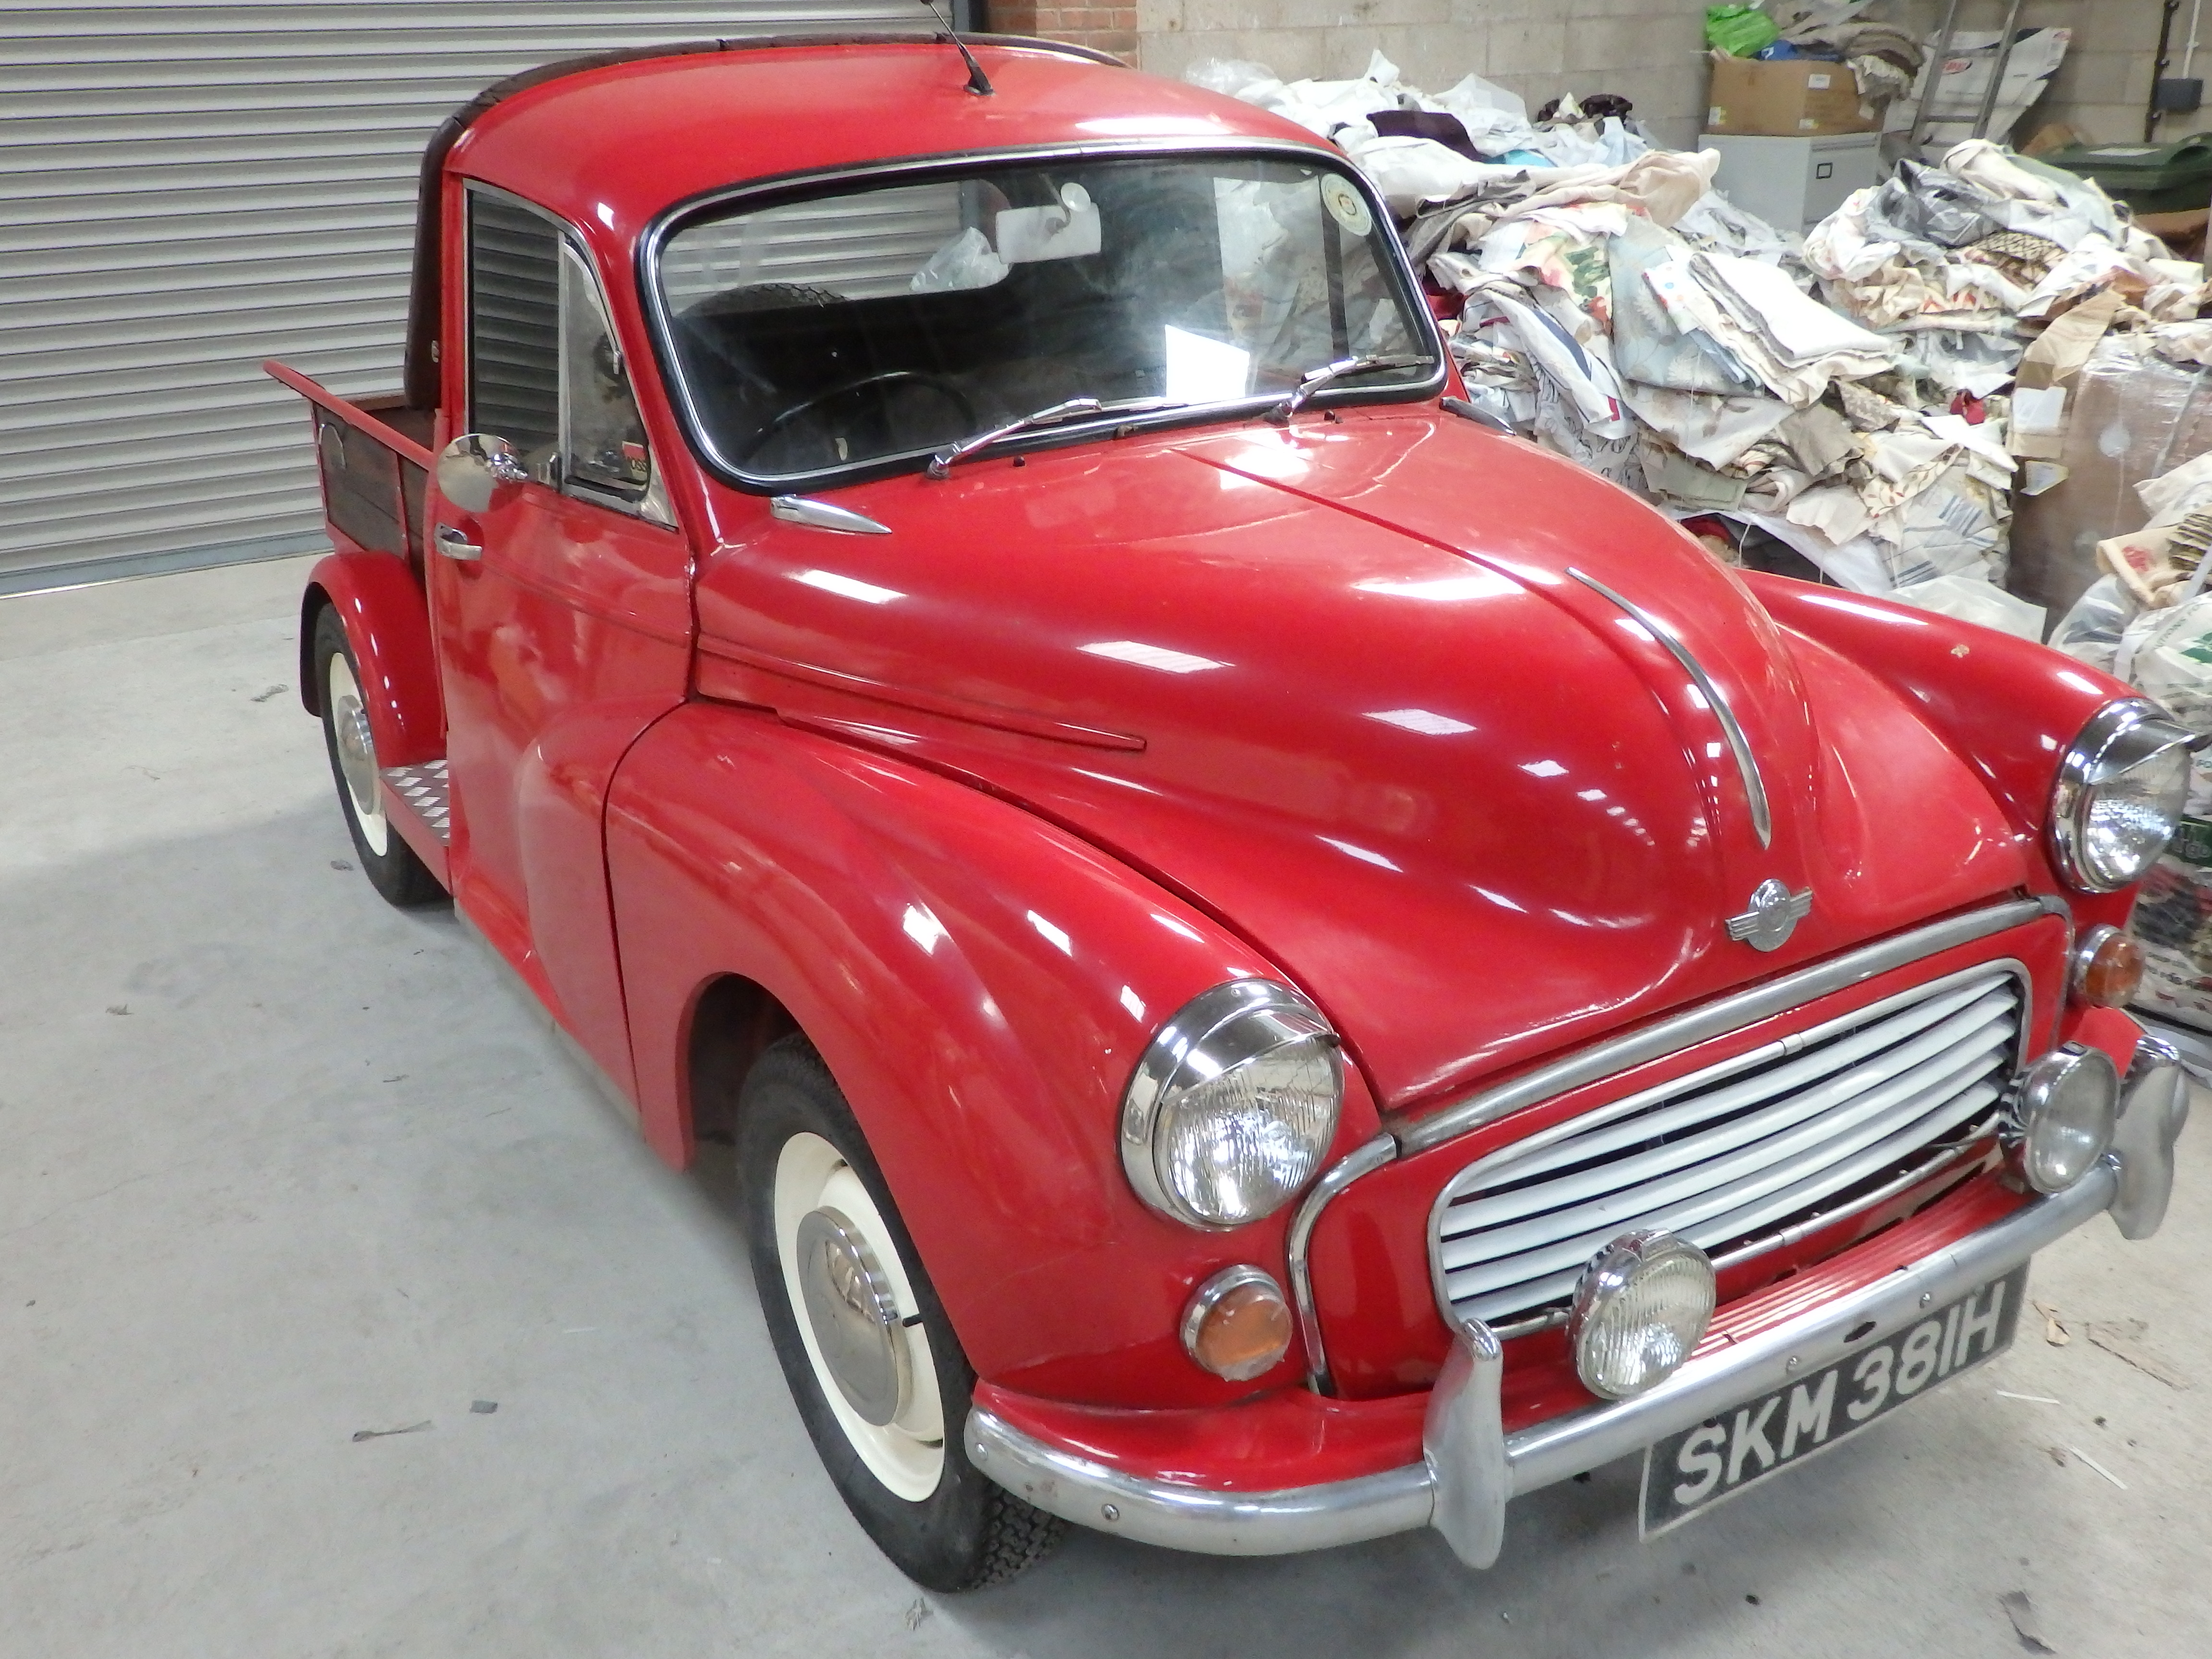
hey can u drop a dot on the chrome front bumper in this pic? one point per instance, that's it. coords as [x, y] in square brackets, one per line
[1471, 1467]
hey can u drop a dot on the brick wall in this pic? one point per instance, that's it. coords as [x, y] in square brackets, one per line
[1105, 28]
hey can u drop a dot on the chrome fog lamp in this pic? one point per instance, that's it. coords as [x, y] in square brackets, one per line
[1640, 1308]
[2121, 786]
[2068, 1100]
[1233, 1106]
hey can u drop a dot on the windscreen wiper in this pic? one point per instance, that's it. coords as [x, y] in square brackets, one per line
[941, 463]
[1315, 379]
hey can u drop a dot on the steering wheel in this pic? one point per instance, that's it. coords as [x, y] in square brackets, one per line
[937, 383]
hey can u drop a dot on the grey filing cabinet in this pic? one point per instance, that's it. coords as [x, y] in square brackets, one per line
[1794, 183]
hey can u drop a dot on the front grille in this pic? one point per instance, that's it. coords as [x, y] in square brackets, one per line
[1806, 1127]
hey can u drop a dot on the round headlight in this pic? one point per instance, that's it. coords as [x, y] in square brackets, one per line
[2122, 788]
[2067, 1101]
[1640, 1308]
[1233, 1106]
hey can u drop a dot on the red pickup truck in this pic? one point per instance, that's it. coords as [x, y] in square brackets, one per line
[1283, 967]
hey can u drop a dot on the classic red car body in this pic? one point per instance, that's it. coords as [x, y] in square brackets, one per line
[699, 799]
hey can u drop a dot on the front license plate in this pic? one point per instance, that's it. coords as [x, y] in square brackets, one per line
[1688, 1473]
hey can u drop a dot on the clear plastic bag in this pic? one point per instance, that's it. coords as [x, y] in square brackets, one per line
[2168, 654]
[1235, 77]
[2090, 632]
[2172, 921]
[964, 261]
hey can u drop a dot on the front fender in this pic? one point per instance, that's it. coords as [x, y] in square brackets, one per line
[387, 622]
[2008, 707]
[981, 984]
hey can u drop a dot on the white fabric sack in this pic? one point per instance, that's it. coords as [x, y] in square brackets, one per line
[1981, 163]
[1234, 77]
[1409, 171]
[1495, 119]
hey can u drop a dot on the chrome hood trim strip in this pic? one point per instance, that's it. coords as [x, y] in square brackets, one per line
[1746, 766]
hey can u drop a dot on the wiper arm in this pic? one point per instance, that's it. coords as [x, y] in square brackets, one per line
[1315, 379]
[940, 463]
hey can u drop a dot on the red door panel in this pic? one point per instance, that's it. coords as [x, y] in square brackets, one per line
[563, 642]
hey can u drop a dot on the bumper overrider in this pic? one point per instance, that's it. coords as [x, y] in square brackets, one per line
[1471, 1467]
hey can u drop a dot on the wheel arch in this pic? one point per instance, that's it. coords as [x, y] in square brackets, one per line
[387, 619]
[731, 1022]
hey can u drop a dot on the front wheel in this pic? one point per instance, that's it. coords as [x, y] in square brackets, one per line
[390, 863]
[879, 1377]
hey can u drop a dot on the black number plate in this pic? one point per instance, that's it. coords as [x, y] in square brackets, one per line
[1688, 1473]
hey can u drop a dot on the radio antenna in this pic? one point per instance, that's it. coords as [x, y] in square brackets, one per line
[978, 83]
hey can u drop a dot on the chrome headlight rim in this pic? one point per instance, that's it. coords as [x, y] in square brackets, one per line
[2124, 734]
[1230, 1025]
[2040, 1088]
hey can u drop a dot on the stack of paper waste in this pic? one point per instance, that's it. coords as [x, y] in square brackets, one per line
[1847, 397]
[2149, 622]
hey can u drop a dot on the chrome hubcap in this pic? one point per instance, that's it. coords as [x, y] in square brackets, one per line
[357, 754]
[845, 1284]
[854, 1315]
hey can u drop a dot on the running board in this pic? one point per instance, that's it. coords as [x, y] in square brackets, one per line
[426, 793]
[418, 804]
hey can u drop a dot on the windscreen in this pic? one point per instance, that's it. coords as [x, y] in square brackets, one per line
[845, 329]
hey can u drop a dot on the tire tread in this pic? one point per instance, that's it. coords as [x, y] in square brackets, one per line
[1018, 1534]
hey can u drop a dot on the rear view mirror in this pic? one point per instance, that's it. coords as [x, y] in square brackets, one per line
[477, 473]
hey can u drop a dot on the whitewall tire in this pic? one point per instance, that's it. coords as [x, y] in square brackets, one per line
[879, 1377]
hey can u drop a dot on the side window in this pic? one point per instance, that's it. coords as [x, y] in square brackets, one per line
[514, 338]
[603, 443]
[545, 371]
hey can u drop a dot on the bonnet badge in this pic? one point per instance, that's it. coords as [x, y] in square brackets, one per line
[1774, 915]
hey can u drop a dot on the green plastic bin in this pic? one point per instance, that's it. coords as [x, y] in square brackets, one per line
[2174, 178]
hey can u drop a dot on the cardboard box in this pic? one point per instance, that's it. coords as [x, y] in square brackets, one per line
[1789, 99]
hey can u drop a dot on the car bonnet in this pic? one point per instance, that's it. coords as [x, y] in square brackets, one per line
[1389, 696]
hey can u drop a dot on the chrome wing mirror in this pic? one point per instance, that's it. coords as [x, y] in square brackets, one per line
[477, 473]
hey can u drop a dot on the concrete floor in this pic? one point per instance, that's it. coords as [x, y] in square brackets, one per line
[278, 1163]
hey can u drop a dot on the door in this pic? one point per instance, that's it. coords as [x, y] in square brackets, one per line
[563, 614]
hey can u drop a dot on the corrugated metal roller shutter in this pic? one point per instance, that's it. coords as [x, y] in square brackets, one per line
[187, 189]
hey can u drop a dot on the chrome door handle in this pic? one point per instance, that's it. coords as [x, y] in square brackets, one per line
[455, 545]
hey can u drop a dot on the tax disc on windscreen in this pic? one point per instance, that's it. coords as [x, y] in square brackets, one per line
[1346, 204]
